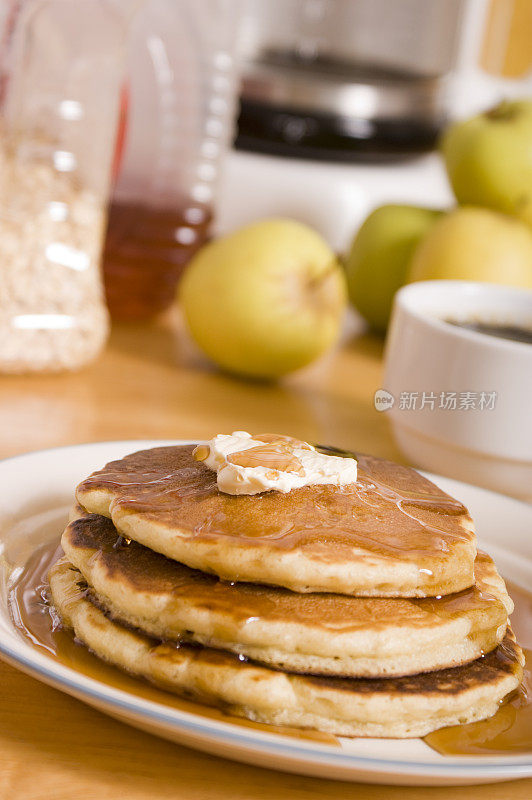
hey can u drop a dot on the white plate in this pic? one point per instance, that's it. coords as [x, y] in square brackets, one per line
[36, 490]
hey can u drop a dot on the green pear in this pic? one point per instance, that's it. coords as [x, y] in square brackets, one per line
[489, 159]
[265, 300]
[379, 257]
[475, 244]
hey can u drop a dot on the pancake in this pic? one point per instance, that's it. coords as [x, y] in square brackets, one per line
[388, 707]
[316, 633]
[76, 512]
[392, 533]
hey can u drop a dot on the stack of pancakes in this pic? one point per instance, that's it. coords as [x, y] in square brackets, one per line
[364, 610]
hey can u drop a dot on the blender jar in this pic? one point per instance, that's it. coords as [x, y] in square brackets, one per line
[60, 78]
[178, 109]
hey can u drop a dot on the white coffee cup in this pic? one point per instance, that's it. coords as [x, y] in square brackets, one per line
[462, 399]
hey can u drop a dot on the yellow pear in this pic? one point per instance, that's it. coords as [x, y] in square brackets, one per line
[265, 300]
[380, 253]
[475, 244]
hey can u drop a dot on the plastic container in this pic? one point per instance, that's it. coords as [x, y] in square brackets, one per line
[178, 110]
[61, 72]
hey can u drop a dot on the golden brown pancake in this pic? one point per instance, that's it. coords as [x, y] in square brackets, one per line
[393, 533]
[391, 707]
[318, 633]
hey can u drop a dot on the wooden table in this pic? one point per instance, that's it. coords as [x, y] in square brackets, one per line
[150, 383]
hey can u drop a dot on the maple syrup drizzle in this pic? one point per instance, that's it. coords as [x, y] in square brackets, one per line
[201, 452]
[508, 732]
[274, 452]
[240, 604]
[277, 455]
[163, 482]
[269, 438]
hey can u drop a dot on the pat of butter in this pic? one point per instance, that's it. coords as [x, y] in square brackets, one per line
[246, 464]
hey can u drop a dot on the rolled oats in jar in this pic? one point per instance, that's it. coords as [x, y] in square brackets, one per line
[59, 93]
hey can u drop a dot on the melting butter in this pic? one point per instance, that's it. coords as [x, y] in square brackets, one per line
[246, 464]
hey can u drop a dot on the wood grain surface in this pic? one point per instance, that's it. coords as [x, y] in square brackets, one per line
[150, 383]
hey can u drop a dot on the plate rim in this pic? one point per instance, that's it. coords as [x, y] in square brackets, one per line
[283, 747]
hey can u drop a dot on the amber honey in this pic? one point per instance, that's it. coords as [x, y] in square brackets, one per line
[145, 252]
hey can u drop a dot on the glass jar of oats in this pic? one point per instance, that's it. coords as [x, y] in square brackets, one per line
[60, 80]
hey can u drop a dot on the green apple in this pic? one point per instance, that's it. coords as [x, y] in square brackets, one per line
[379, 257]
[489, 159]
[265, 300]
[475, 244]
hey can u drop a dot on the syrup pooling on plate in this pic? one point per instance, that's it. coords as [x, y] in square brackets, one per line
[28, 596]
[32, 618]
[391, 511]
[508, 732]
